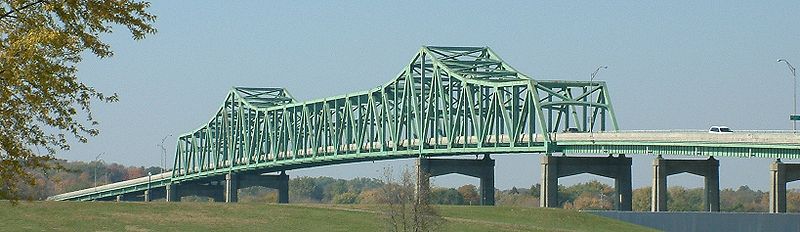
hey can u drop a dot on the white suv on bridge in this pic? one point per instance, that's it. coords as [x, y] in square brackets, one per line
[720, 130]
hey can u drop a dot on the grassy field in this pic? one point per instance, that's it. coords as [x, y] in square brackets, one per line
[155, 216]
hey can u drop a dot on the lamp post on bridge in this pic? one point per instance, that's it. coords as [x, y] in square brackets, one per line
[794, 117]
[163, 153]
[96, 163]
[96, 159]
[591, 98]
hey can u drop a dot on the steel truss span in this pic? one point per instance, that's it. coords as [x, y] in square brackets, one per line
[446, 101]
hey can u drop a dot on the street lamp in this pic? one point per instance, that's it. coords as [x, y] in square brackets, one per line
[163, 153]
[96, 159]
[591, 96]
[794, 74]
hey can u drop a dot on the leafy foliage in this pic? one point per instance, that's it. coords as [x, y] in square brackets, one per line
[41, 98]
[408, 201]
[745, 199]
[79, 175]
[641, 199]
[589, 195]
[446, 196]
[470, 194]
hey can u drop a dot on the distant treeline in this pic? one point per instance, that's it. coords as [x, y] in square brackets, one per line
[589, 195]
[81, 175]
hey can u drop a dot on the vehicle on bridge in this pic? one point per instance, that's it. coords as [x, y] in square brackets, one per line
[720, 130]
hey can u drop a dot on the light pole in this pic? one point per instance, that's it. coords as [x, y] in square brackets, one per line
[163, 152]
[96, 159]
[794, 75]
[591, 98]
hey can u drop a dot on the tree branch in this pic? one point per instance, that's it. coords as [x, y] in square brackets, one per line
[8, 14]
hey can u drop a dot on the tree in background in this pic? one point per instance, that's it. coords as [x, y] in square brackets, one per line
[305, 189]
[446, 196]
[641, 199]
[744, 199]
[792, 200]
[407, 203]
[77, 175]
[345, 198]
[41, 97]
[517, 197]
[470, 194]
[682, 199]
[536, 190]
[589, 195]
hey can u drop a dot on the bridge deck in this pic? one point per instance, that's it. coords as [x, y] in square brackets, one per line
[766, 144]
[744, 137]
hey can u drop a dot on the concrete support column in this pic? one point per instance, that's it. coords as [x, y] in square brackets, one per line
[780, 174]
[482, 169]
[172, 193]
[712, 188]
[662, 168]
[777, 191]
[283, 188]
[128, 197]
[658, 193]
[231, 188]
[618, 168]
[624, 187]
[549, 190]
[487, 189]
[147, 195]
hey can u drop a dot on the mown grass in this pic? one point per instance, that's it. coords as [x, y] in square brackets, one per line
[160, 216]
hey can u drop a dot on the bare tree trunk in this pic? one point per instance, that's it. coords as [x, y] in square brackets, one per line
[407, 200]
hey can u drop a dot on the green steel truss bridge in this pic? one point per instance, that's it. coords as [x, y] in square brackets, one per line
[446, 101]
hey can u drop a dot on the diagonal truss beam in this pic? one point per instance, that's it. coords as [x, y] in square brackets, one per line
[446, 100]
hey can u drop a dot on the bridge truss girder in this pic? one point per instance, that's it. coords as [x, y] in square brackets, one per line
[445, 99]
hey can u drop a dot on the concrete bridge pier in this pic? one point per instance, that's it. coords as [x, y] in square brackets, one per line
[482, 169]
[153, 193]
[706, 168]
[231, 188]
[780, 174]
[171, 193]
[235, 181]
[127, 197]
[618, 168]
[174, 192]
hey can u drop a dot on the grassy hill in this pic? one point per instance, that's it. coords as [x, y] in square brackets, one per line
[160, 216]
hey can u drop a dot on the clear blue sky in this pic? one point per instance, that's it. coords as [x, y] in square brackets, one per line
[672, 64]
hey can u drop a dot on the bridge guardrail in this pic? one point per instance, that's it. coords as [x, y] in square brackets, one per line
[102, 188]
[695, 130]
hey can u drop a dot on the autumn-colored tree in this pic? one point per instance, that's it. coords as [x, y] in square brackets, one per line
[505, 198]
[682, 199]
[793, 201]
[345, 198]
[470, 194]
[588, 200]
[42, 102]
[641, 199]
[744, 199]
[134, 172]
[370, 196]
[595, 188]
